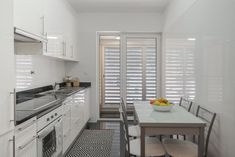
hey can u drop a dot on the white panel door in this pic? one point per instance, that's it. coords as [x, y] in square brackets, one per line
[28, 15]
[6, 143]
[7, 79]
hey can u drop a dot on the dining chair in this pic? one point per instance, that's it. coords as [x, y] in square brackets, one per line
[180, 148]
[186, 104]
[134, 130]
[153, 147]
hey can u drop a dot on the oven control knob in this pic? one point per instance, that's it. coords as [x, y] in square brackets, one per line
[52, 117]
[56, 114]
[48, 119]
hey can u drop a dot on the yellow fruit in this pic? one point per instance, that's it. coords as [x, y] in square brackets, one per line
[163, 104]
[156, 102]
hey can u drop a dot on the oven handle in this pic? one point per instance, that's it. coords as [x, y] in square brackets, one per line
[45, 133]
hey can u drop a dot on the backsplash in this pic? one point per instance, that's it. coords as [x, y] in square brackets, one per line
[34, 71]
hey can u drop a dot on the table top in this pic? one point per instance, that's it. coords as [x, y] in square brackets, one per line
[178, 116]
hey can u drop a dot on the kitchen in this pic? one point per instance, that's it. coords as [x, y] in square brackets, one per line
[45, 44]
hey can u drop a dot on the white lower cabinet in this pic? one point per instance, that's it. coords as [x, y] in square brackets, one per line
[26, 139]
[66, 126]
[6, 143]
[75, 116]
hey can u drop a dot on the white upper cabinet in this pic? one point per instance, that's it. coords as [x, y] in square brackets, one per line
[59, 29]
[28, 16]
[54, 20]
[7, 67]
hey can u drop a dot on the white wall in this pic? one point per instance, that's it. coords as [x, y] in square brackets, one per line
[89, 24]
[212, 23]
[47, 71]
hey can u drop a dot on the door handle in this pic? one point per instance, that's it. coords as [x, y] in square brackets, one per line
[13, 145]
[13, 94]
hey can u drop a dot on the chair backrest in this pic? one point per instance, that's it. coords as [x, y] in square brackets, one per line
[123, 106]
[125, 127]
[209, 118]
[186, 104]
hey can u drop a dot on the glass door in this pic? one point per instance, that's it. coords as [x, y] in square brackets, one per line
[110, 71]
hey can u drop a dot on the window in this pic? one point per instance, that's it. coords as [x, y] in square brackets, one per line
[130, 72]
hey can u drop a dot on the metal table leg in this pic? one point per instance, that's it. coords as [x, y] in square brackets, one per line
[142, 142]
[201, 142]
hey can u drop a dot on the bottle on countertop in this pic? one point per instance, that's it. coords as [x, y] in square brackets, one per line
[68, 81]
[76, 82]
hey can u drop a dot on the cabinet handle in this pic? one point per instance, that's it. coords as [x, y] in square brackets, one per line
[43, 25]
[26, 126]
[27, 143]
[45, 44]
[64, 48]
[13, 145]
[71, 51]
[13, 94]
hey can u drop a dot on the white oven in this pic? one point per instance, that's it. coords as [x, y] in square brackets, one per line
[50, 137]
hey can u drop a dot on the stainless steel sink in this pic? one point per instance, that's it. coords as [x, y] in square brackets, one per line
[59, 92]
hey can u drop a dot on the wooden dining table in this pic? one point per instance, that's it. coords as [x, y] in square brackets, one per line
[177, 121]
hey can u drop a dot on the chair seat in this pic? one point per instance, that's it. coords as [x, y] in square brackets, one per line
[179, 148]
[153, 147]
[134, 131]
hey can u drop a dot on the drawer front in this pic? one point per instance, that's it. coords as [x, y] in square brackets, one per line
[25, 139]
[28, 150]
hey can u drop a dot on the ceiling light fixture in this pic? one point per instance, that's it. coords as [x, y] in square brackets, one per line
[192, 39]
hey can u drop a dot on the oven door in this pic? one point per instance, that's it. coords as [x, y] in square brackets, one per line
[50, 140]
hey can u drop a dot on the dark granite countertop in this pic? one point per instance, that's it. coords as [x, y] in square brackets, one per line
[24, 110]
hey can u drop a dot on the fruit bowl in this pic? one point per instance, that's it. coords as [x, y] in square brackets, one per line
[161, 104]
[162, 108]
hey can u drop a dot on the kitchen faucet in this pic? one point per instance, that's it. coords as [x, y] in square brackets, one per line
[56, 84]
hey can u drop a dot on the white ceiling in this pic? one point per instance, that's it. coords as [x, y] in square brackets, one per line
[119, 5]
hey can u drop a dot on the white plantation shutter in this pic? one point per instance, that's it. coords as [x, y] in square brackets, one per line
[141, 69]
[112, 75]
[179, 69]
[134, 74]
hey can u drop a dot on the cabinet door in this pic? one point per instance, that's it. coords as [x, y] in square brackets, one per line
[28, 15]
[25, 139]
[60, 33]
[6, 142]
[7, 68]
[55, 28]
[55, 47]
[66, 126]
[29, 149]
[87, 104]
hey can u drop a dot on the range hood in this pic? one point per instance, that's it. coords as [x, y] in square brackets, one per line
[24, 36]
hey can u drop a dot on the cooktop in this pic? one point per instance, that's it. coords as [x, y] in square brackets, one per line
[37, 103]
